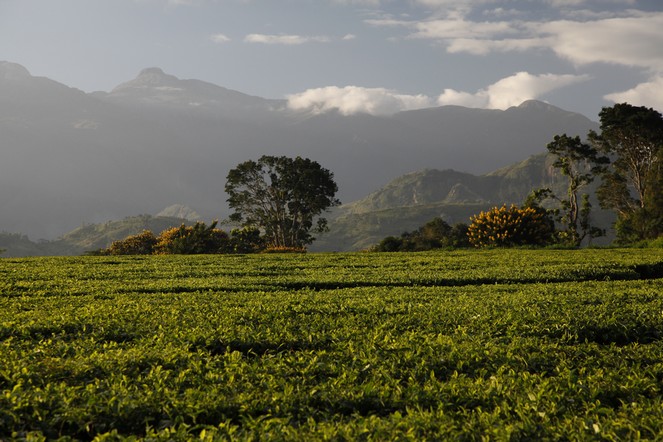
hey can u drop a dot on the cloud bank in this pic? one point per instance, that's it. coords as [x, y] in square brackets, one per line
[648, 94]
[507, 92]
[601, 35]
[354, 99]
[510, 91]
[633, 40]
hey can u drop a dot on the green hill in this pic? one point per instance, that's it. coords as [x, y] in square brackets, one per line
[412, 200]
[404, 204]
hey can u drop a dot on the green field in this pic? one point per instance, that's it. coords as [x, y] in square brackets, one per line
[472, 345]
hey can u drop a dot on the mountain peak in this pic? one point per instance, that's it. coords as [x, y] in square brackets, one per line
[152, 71]
[154, 76]
[148, 78]
[536, 105]
[12, 71]
[180, 211]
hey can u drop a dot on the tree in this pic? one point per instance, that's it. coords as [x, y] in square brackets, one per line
[633, 139]
[282, 196]
[580, 163]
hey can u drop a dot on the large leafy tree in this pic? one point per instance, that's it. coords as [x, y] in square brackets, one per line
[580, 163]
[283, 197]
[632, 136]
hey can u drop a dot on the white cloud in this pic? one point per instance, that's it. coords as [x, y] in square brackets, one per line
[169, 3]
[358, 2]
[220, 38]
[460, 28]
[507, 92]
[282, 39]
[353, 99]
[483, 47]
[348, 37]
[510, 91]
[633, 38]
[648, 94]
[630, 41]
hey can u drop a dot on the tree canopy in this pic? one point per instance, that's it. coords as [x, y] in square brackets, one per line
[632, 136]
[580, 163]
[283, 197]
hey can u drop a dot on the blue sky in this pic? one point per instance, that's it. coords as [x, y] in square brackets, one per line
[376, 56]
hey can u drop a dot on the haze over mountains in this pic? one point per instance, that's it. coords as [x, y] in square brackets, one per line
[71, 158]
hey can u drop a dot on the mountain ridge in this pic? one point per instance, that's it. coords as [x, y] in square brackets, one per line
[72, 158]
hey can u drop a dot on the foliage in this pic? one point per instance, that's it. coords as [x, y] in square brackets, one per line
[462, 345]
[284, 249]
[511, 226]
[196, 239]
[281, 196]
[435, 234]
[246, 240]
[633, 138]
[187, 240]
[140, 244]
[580, 163]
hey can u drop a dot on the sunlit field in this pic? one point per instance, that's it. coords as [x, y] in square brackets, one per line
[472, 345]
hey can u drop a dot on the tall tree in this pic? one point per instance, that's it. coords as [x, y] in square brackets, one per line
[580, 163]
[632, 137]
[282, 196]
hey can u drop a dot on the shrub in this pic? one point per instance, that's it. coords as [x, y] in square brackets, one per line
[435, 234]
[140, 244]
[189, 240]
[511, 226]
[390, 244]
[246, 240]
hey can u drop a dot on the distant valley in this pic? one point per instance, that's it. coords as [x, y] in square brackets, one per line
[402, 205]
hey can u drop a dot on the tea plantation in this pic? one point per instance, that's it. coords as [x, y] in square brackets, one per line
[472, 345]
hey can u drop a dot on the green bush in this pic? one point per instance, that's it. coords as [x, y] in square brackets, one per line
[246, 240]
[435, 234]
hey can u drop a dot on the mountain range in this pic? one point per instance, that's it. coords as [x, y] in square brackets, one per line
[72, 158]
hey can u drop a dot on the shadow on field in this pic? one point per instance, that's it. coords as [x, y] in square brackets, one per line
[633, 273]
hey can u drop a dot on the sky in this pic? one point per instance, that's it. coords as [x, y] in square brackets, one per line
[375, 56]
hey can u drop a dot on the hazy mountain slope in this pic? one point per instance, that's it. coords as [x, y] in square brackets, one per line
[481, 140]
[510, 184]
[88, 237]
[156, 90]
[411, 200]
[402, 205]
[71, 158]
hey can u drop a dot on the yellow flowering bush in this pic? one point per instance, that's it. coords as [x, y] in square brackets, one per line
[511, 226]
[140, 244]
[196, 239]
